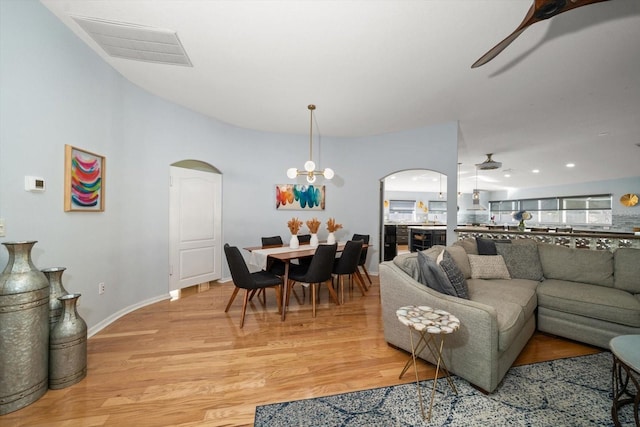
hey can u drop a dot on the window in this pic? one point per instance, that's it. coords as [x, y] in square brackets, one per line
[402, 210]
[437, 206]
[574, 210]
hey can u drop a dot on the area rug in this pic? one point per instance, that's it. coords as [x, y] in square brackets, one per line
[564, 392]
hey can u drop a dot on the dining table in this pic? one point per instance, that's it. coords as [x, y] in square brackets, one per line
[260, 258]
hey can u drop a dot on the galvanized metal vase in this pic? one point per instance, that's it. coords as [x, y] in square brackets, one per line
[56, 290]
[68, 346]
[24, 329]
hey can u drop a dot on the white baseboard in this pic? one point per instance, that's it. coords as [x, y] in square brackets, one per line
[115, 316]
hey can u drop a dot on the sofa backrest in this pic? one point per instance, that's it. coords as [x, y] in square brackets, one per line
[576, 265]
[626, 262]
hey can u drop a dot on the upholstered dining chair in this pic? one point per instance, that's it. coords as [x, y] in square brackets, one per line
[274, 266]
[363, 257]
[347, 264]
[304, 239]
[250, 282]
[319, 271]
[271, 241]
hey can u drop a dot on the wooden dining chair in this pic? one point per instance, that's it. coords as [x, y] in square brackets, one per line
[250, 282]
[363, 258]
[347, 265]
[319, 271]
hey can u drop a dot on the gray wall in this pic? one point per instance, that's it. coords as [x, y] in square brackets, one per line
[56, 91]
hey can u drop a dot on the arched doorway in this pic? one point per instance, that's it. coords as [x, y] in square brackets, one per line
[416, 197]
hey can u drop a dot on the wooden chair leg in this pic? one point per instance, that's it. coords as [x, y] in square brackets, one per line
[278, 297]
[367, 274]
[360, 282]
[359, 275]
[244, 307]
[313, 298]
[332, 292]
[233, 296]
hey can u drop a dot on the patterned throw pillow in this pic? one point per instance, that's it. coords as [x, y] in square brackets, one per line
[488, 267]
[523, 261]
[455, 275]
[433, 276]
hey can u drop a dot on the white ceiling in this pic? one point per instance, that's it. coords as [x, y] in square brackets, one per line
[567, 90]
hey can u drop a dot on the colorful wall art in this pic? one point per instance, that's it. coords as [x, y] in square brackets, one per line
[83, 180]
[300, 197]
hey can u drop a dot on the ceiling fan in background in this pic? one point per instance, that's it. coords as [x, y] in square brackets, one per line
[488, 164]
[539, 11]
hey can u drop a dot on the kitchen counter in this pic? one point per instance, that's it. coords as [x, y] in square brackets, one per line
[425, 236]
[582, 239]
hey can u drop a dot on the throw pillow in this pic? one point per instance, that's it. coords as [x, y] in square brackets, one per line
[488, 246]
[433, 276]
[455, 275]
[469, 245]
[488, 267]
[409, 264]
[522, 260]
[461, 259]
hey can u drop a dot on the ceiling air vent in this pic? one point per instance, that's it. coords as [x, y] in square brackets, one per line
[489, 164]
[137, 42]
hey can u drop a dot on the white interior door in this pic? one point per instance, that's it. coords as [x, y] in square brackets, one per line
[195, 227]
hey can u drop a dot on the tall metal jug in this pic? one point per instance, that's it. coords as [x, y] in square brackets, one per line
[24, 329]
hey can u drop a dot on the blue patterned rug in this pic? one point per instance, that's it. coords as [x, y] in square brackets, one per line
[564, 392]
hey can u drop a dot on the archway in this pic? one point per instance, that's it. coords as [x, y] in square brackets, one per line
[416, 197]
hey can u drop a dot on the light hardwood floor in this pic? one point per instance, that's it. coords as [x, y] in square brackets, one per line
[187, 363]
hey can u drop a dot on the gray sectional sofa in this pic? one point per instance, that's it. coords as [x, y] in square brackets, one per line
[585, 295]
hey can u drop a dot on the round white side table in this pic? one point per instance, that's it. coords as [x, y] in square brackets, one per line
[430, 324]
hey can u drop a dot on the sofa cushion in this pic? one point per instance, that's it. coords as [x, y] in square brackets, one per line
[626, 276]
[469, 245]
[517, 291]
[488, 267]
[598, 302]
[523, 261]
[577, 265]
[461, 259]
[488, 246]
[510, 316]
[455, 275]
[433, 276]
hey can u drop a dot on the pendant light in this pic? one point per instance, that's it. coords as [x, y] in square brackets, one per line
[440, 196]
[309, 165]
[475, 205]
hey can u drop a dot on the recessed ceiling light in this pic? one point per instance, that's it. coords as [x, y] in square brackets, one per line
[507, 175]
[536, 171]
[570, 165]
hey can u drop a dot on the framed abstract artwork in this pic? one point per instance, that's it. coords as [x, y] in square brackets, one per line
[300, 197]
[84, 174]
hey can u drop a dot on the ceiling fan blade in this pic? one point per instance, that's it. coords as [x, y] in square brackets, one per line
[497, 48]
[539, 11]
[529, 19]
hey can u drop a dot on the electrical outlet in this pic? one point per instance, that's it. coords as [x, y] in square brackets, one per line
[100, 288]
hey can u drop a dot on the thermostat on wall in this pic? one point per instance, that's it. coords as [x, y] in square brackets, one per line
[33, 183]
